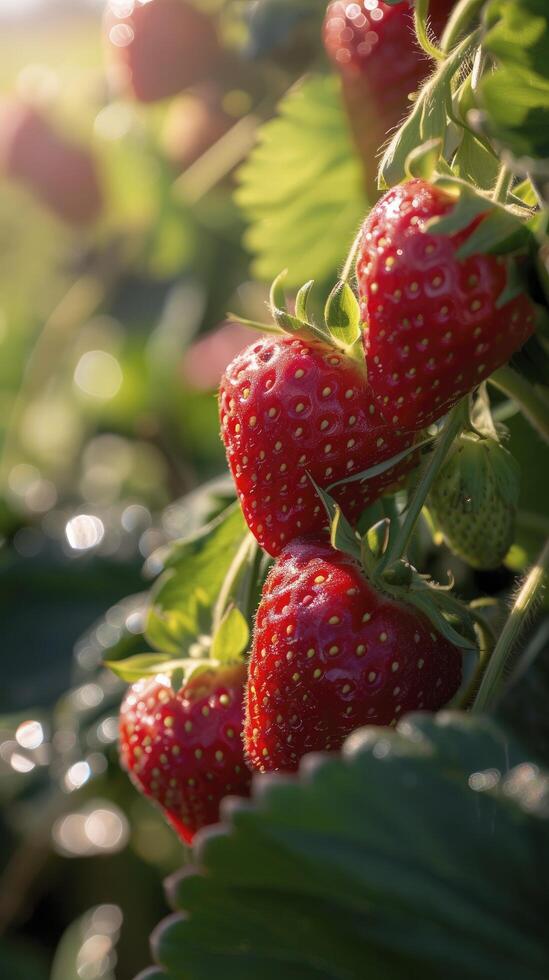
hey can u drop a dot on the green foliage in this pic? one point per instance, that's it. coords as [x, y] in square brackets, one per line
[183, 599]
[421, 852]
[300, 189]
[516, 96]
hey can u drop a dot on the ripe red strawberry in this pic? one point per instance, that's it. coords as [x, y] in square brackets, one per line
[60, 174]
[290, 407]
[330, 653]
[185, 750]
[373, 45]
[160, 46]
[433, 327]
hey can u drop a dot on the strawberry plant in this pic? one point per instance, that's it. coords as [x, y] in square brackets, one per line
[358, 441]
[335, 700]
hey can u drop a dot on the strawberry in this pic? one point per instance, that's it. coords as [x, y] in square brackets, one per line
[60, 174]
[434, 328]
[292, 407]
[160, 47]
[373, 46]
[184, 750]
[474, 500]
[330, 653]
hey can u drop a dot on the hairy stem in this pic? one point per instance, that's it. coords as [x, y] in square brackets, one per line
[348, 268]
[533, 406]
[421, 12]
[503, 185]
[459, 21]
[526, 599]
[452, 428]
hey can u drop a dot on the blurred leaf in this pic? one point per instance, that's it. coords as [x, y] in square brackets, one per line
[421, 852]
[301, 187]
[231, 638]
[185, 593]
[516, 96]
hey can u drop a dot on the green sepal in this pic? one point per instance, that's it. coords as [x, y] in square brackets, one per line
[343, 321]
[254, 324]
[425, 604]
[342, 536]
[422, 160]
[150, 664]
[302, 300]
[380, 468]
[342, 315]
[231, 638]
[286, 321]
[177, 678]
[377, 538]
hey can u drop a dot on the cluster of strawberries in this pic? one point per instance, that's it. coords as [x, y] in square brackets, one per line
[332, 650]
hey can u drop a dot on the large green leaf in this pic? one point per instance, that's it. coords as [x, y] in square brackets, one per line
[301, 188]
[419, 853]
[185, 593]
[516, 96]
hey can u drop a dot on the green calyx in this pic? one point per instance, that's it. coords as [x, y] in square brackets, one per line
[341, 329]
[400, 580]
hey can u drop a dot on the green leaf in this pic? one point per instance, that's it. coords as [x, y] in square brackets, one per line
[301, 187]
[342, 314]
[231, 638]
[421, 852]
[515, 97]
[184, 595]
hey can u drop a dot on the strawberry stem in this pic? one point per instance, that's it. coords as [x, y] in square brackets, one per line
[526, 599]
[421, 12]
[452, 428]
[503, 185]
[459, 21]
[350, 260]
[533, 405]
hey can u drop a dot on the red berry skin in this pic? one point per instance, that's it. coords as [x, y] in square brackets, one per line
[61, 175]
[290, 407]
[330, 653]
[373, 45]
[161, 47]
[184, 750]
[433, 329]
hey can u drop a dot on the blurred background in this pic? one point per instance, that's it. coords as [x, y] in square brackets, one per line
[120, 252]
[125, 237]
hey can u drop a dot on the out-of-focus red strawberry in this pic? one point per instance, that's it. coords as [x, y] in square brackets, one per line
[60, 173]
[206, 360]
[161, 47]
